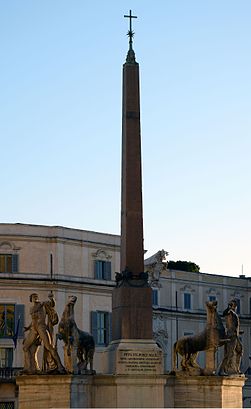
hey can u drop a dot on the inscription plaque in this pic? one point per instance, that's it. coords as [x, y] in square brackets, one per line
[139, 362]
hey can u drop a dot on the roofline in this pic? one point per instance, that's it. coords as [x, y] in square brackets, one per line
[59, 227]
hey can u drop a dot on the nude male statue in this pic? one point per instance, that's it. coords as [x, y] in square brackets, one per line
[38, 333]
[233, 349]
[48, 363]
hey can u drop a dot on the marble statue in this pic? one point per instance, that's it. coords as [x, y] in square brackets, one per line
[155, 265]
[211, 337]
[38, 333]
[79, 345]
[52, 319]
[233, 350]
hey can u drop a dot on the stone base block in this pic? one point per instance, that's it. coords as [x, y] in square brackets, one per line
[204, 391]
[133, 357]
[54, 391]
[123, 391]
[129, 391]
[94, 391]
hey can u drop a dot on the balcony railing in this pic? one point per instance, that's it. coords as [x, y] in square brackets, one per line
[8, 373]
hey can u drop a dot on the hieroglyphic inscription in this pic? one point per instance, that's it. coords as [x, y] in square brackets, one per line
[140, 362]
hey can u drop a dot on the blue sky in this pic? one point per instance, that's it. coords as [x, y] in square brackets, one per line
[60, 121]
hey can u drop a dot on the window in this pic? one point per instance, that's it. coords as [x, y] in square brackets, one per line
[238, 302]
[6, 357]
[11, 321]
[155, 297]
[212, 298]
[8, 263]
[187, 301]
[188, 333]
[7, 320]
[102, 270]
[101, 327]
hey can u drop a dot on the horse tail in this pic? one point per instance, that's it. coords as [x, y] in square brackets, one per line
[174, 356]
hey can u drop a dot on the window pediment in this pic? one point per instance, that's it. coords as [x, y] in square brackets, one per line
[212, 291]
[237, 294]
[101, 254]
[187, 289]
[8, 247]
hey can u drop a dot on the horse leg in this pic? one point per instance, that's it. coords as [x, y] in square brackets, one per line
[58, 336]
[184, 361]
[69, 344]
[192, 360]
[91, 354]
[81, 354]
[174, 363]
[86, 353]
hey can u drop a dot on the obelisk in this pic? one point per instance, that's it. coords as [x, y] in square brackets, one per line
[132, 298]
[133, 362]
[132, 350]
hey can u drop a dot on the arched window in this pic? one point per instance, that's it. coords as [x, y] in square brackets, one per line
[8, 258]
[102, 265]
[186, 293]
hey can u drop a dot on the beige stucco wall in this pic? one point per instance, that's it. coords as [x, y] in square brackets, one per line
[73, 272]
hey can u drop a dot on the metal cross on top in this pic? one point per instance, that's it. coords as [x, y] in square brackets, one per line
[130, 32]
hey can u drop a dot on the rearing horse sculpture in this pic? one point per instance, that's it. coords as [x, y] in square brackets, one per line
[75, 340]
[212, 336]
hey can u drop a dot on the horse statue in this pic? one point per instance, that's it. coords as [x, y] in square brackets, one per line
[155, 266]
[79, 345]
[211, 337]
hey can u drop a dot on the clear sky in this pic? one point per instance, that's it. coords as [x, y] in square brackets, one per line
[60, 121]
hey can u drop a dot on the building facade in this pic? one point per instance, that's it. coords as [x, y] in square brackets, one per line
[83, 263]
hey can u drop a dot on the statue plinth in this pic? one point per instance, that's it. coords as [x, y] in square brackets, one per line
[204, 391]
[54, 391]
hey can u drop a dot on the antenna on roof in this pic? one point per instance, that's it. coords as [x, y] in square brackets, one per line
[242, 275]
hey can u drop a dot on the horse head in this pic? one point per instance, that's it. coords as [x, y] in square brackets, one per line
[211, 307]
[72, 299]
[214, 319]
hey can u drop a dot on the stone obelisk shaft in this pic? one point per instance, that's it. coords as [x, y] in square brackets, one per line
[132, 298]
[132, 249]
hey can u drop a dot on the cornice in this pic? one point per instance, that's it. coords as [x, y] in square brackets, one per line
[57, 239]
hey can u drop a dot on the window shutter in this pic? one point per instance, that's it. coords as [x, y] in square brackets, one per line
[155, 294]
[94, 322]
[14, 263]
[109, 327]
[96, 269]
[107, 275]
[19, 320]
